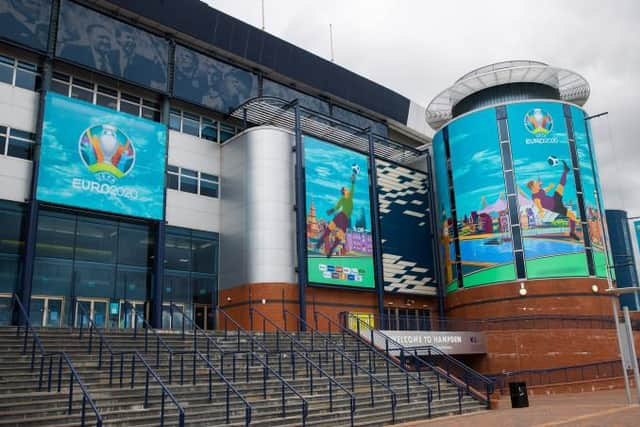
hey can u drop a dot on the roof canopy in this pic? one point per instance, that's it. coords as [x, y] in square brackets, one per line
[571, 86]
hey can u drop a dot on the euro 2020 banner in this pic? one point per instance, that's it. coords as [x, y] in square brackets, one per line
[96, 158]
[549, 214]
[339, 239]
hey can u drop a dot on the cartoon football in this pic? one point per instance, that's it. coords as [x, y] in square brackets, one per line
[553, 161]
[355, 169]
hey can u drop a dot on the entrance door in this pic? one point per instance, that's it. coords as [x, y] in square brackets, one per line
[46, 311]
[172, 319]
[201, 315]
[127, 316]
[94, 309]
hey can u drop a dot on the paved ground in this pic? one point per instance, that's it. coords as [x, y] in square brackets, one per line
[598, 409]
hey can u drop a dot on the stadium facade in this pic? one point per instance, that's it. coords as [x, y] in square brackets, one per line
[159, 153]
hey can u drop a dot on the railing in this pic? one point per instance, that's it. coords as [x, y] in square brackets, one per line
[62, 358]
[252, 356]
[328, 342]
[418, 323]
[536, 377]
[206, 359]
[159, 340]
[438, 362]
[104, 343]
[355, 366]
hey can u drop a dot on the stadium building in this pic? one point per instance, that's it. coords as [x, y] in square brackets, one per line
[162, 157]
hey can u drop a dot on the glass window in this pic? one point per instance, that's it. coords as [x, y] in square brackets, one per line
[20, 149]
[27, 79]
[132, 284]
[81, 93]
[177, 252]
[94, 280]
[172, 181]
[128, 107]
[203, 288]
[135, 245]
[56, 234]
[188, 184]
[52, 277]
[3, 139]
[96, 241]
[209, 130]
[208, 188]
[226, 132]
[107, 101]
[174, 120]
[60, 87]
[204, 255]
[191, 124]
[6, 69]
[150, 114]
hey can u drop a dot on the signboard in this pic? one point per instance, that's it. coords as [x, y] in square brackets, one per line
[338, 217]
[96, 158]
[482, 212]
[26, 22]
[448, 342]
[105, 44]
[545, 179]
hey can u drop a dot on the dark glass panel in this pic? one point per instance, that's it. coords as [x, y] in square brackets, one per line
[94, 280]
[178, 252]
[96, 241]
[135, 245]
[56, 235]
[205, 253]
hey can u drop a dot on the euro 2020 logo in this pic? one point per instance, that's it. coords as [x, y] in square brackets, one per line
[538, 122]
[107, 152]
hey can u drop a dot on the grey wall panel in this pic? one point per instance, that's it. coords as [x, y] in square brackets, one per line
[256, 243]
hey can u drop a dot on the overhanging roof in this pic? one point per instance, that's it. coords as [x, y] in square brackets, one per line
[571, 86]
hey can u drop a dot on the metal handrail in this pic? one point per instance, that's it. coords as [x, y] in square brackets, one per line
[379, 352]
[405, 352]
[112, 354]
[86, 397]
[229, 386]
[159, 339]
[165, 390]
[265, 364]
[197, 329]
[615, 366]
[103, 342]
[310, 362]
[370, 372]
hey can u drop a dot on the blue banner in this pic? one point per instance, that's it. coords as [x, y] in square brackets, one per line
[95, 158]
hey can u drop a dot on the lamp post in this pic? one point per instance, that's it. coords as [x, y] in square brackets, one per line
[628, 332]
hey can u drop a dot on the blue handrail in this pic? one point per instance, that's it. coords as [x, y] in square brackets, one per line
[265, 364]
[388, 361]
[230, 387]
[112, 354]
[354, 364]
[461, 379]
[310, 362]
[63, 357]
[159, 340]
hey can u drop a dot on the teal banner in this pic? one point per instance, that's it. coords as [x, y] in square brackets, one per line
[96, 158]
[339, 241]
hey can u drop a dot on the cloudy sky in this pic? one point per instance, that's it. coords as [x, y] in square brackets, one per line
[418, 48]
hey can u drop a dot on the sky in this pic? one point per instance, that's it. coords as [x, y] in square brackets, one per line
[419, 48]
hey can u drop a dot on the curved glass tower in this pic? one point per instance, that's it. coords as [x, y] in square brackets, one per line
[517, 183]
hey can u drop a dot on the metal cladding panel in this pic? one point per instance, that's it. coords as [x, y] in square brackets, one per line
[621, 248]
[198, 20]
[407, 239]
[258, 226]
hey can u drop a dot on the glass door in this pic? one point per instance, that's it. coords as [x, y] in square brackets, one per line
[128, 317]
[201, 316]
[94, 309]
[46, 311]
[172, 319]
[6, 309]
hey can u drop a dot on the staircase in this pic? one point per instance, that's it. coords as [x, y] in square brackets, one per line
[233, 376]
